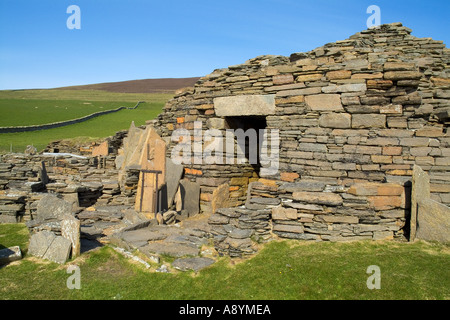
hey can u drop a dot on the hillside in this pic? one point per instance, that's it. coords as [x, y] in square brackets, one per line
[163, 85]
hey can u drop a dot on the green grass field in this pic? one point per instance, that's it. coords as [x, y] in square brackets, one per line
[17, 112]
[29, 107]
[282, 270]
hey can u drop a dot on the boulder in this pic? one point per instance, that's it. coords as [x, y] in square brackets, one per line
[11, 254]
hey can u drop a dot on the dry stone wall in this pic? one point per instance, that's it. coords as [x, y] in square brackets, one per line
[352, 119]
[353, 116]
[83, 181]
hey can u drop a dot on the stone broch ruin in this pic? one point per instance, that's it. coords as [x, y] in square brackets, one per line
[363, 142]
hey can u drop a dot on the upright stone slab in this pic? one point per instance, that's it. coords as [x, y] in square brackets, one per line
[190, 196]
[59, 250]
[245, 105]
[420, 191]
[70, 229]
[174, 172]
[50, 207]
[101, 150]
[153, 157]
[220, 197]
[433, 221]
[40, 242]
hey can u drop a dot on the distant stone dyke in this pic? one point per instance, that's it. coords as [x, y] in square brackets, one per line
[63, 123]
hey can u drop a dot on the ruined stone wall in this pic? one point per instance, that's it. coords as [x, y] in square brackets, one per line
[84, 181]
[353, 116]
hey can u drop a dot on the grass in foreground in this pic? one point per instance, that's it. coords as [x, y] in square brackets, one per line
[281, 270]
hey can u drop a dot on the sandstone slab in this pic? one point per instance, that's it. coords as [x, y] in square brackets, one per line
[335, 120]
[420, 191]
[324, 102]
[433, 221]
[196, 264]
[325, 198]
[245, 105]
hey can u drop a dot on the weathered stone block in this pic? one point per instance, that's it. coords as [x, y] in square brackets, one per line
[402, 75]
[335, 120]
[379, 84]
[282, 79]
[430, 132]
[288, 228]
[70, 229]
[420, 191]
[352, 87]
[324, 102]
[391, 109]
[245, 105]
[10, 254]
[215, 123]
[289, 176]
[385, 202]
[40, 242]
[368, 121]
[398, 66]
[313, 147]
[433, 221]
[339, 74]
[339, 219]
[59, 250]
[280, 213]
[309, 77]
[220, 197]
[330, 199]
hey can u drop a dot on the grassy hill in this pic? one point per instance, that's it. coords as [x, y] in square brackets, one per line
[41, 106]
[166, 85]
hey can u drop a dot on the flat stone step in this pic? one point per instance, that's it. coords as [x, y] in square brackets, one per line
[195, 264]
[171, 249]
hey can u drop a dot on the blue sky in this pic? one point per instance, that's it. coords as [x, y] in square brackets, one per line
[137, 39]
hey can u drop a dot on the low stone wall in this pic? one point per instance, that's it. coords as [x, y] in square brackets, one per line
[353, 119]
[83, 181]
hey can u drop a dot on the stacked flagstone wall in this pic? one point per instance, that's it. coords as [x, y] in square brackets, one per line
[353, 116]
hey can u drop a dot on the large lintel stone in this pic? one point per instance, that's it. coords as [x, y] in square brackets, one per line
[245, 105]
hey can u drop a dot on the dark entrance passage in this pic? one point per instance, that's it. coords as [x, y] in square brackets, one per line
[248, 131]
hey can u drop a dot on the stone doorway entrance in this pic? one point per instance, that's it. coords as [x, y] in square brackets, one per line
[248, 137]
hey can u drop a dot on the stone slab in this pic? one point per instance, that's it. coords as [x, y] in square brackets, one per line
[50, 207]
[420, 191]
[190, 196]
[195, 264]
[10, 254]
[220, 197]
[59, 250]
[171, 249]
[324, 102]
[40, 242]
[433, 221]
[70, 229]
[174, 172]
[245, 105]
